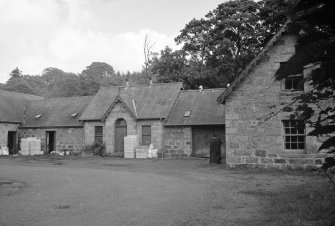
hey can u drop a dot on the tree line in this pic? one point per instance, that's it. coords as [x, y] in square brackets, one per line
[54, 82]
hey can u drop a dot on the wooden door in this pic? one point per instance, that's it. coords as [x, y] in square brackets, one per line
[120, 133]
[201, 136]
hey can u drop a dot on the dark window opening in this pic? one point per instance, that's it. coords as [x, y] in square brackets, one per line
[98, 135]
[294, 134]
[146, 135]
[294, 83]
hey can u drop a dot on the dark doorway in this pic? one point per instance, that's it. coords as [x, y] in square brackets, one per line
[201, 136]
[120, 133]
[50, 141]
[12, 142]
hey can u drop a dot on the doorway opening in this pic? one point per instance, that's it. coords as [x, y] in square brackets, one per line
[50, 141]
[12, 142]
[120, 133]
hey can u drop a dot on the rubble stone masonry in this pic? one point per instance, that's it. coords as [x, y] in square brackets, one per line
[67, 139]
[177, 141]
[119, 111]
[4, 128]
[253, 138]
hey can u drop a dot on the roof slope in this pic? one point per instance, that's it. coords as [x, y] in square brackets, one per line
[239, 78]
[145, 102]
[55, 112]
[203, 106]
[12, 105]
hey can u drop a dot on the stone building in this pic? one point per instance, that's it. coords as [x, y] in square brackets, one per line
[12, 107]
[195, 118]
[178, 123]
[151, 114]
[55, 122]
[259, 131]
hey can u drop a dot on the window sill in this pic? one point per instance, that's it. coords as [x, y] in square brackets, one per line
[295, 151]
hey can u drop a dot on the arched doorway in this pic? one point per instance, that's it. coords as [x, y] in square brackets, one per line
[120, 133]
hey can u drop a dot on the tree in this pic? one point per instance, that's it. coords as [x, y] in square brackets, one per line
[19, 85]
[218, 46]
[313, 22]
[51, 74]
[15, 73]
[272, 14]
[148, 54]
[96, 75]
[169, 65]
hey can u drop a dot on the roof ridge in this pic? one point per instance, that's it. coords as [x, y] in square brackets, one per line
[141, 85]
[73, 97]
[24, 94]
[197, 90]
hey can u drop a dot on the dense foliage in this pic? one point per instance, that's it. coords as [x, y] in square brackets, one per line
[215, 48]
[314, 22]
[54, 82]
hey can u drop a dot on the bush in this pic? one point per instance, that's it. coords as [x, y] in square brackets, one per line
[96, 149]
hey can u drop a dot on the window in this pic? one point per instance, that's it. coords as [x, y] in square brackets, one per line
[98, 135]
[294, 83]
[74, 115]
[187, 113]
[294, 134]
[146, 135]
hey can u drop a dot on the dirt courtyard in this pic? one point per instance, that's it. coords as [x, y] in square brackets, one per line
[105, 191]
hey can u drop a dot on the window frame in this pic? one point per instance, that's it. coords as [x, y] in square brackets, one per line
[98, 136]
[146, 135]
[294, 137]
[187, 113]
[291, 79]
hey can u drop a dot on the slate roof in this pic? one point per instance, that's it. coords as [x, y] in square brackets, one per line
[145, 102]
[55, 112]
[12, 105]
[240, 77]
[203, 106]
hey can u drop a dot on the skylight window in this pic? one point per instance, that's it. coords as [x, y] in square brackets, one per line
[187, 113]
[74, 115]
[38, 116]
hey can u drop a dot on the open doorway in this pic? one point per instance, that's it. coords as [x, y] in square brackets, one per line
[50, 141]
[12, 142]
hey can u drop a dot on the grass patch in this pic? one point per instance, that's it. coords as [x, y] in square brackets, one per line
[308, 204]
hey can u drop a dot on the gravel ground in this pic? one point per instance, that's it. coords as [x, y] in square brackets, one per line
[106, 191]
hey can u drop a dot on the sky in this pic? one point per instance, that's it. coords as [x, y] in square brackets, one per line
[71, 34]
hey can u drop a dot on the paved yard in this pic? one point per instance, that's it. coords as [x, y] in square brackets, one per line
[104, 191]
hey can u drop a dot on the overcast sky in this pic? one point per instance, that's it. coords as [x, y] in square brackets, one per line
[71, 34]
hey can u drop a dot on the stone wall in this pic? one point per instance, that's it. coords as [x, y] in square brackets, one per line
[251, 138]
[67, 139]
[4, 128]
[156, 132]
[119, 111]
[89, 131]
[177, 141]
